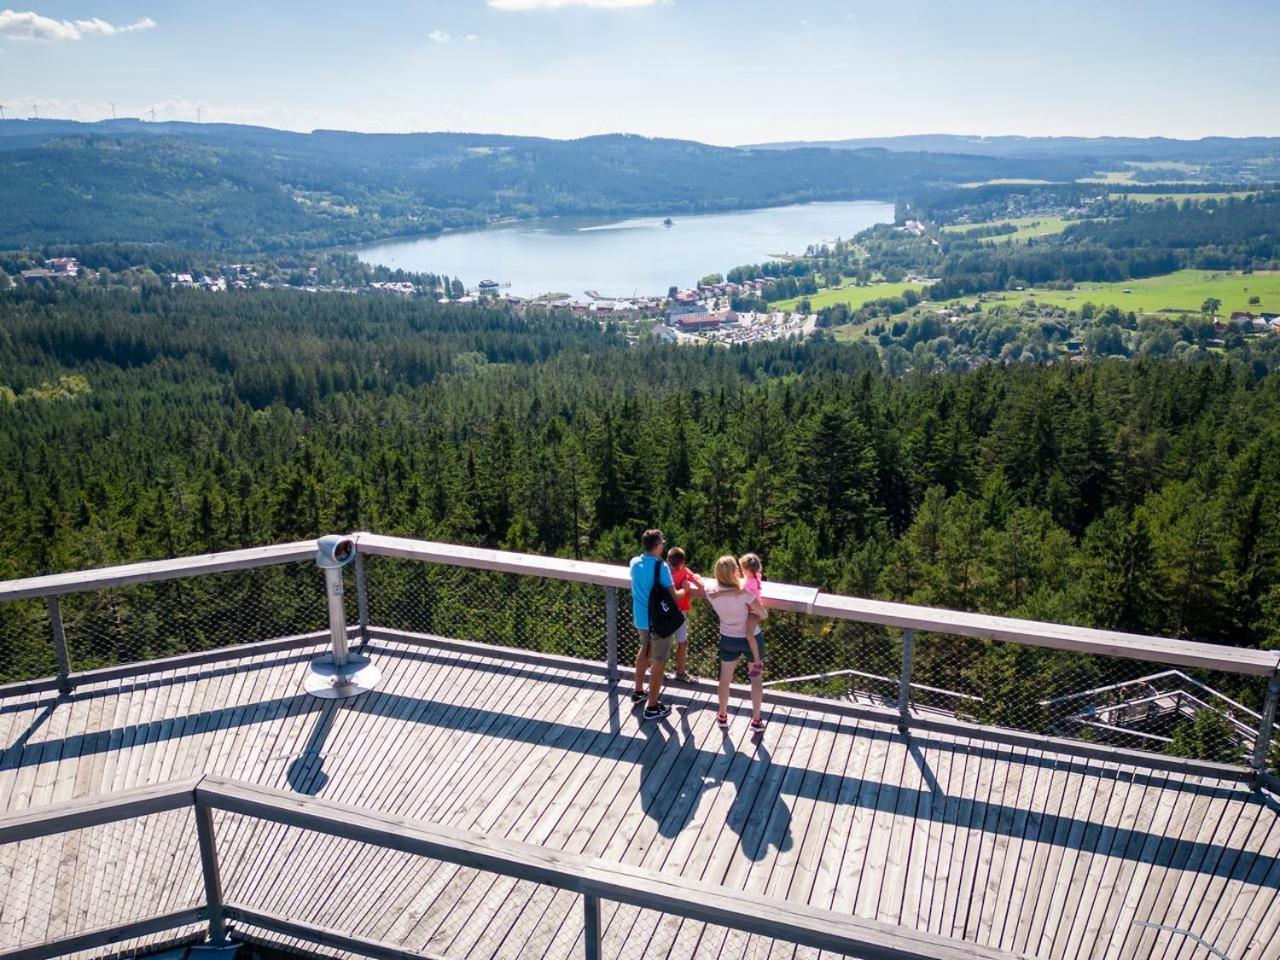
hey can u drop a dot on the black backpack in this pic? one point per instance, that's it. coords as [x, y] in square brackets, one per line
[665, 617]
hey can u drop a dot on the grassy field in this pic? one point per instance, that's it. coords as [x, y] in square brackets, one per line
[1153, 197]
[1027, 227]
[853, 296]
[1183, 291]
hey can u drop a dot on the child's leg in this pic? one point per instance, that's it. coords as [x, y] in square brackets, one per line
[753, 623]
[682, 648]
[757, 679]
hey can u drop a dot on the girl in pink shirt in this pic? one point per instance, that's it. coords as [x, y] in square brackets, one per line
[753, 574]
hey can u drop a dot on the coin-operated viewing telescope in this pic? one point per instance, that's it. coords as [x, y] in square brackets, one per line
[339, 673]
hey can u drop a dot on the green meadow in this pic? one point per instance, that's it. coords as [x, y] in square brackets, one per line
[854, 296]
[1183, 291]
[1026, 227]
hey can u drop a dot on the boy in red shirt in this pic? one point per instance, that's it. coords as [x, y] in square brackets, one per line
[686, 584]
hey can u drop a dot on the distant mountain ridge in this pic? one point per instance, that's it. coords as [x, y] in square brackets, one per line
[225, 186]
[1107, 148]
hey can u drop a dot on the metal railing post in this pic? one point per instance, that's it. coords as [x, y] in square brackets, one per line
[362, 599]
[611, 632]
[591, 923]
[904, 682]
[212, 875]
[1266, 727]
[60, 645]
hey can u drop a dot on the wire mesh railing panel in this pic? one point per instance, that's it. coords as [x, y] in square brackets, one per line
[26, 644]
[1136, 704]
[503, 609]
[102, 876]
[154, 620]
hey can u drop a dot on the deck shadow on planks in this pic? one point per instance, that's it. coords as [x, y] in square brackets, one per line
[994, 817]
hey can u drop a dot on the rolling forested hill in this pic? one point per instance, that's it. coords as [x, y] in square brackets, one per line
[250, 188]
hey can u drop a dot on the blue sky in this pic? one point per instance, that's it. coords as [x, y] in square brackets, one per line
[721, 71]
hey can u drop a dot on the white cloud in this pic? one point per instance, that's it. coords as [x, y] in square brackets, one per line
[438, 36]
[561, 4]
[28, 25]
[471, 36]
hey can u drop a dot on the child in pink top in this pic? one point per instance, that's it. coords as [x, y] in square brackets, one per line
[753, 574]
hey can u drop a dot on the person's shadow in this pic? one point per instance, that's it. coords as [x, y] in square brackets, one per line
[759, 815]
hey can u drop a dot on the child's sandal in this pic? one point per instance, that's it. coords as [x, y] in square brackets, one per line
[723, 720]
[757, 726]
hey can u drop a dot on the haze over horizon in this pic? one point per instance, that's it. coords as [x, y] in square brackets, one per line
[819, 70]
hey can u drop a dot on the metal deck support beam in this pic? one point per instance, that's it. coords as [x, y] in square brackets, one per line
[212, 875]
[1266, 727]
[60, 645]
[904, 682]
[611, 632]
[591, 925]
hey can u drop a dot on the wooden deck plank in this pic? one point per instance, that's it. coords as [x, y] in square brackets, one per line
[937, 871]
[435, 878]
[968, 840]
[674, 796]
[552, 918]
[457, 688]
[935, 759]
[795, 869]
[321, 750]
[1135, 869]
[1120, 836]
[692, 852]
[1010, 890]
[1201, 821]
[421, 688]
[804, 875]
[1232, 904]
[571, 764]
[729, 819]
[465, 890]
[768, 824]
[1198, 912]
[987, 841]
[989, 906]
[1095, 834]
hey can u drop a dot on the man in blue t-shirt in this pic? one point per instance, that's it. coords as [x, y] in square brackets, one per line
[654, 651]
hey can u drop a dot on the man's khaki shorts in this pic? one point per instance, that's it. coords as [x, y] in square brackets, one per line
[658, 648]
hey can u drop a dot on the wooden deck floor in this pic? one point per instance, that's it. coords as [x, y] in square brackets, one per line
[1041, 854]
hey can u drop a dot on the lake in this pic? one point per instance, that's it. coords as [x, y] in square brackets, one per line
[622, 258]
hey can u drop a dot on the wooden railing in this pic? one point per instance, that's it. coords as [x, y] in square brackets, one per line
[593, 879]
[612, 578]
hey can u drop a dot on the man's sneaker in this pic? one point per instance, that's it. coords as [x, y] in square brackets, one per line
[638, 695]
[657, 712]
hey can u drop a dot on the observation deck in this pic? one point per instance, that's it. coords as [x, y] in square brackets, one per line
[495, 794]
